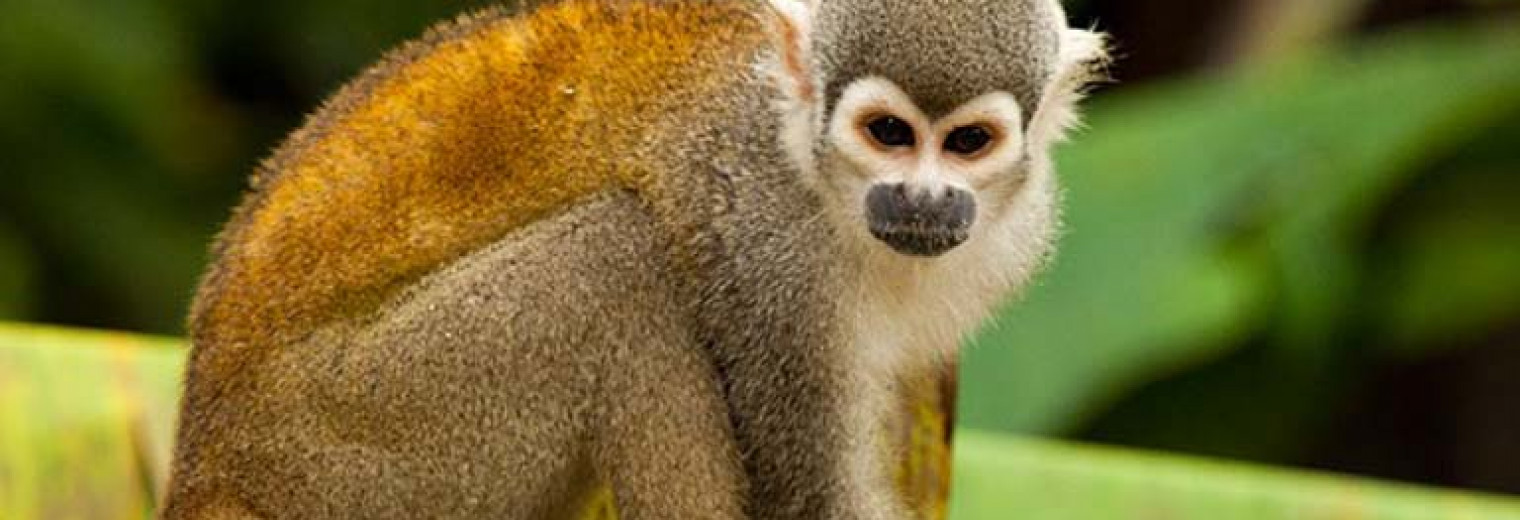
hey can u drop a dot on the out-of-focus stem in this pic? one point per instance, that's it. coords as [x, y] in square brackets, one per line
[1266, 30]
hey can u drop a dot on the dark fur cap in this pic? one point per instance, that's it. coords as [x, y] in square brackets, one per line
[942, 52]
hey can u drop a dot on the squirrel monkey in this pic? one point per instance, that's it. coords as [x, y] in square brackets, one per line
[681, 251]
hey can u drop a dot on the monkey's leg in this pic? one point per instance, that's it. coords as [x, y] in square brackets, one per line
[666, 446]
[574, 332]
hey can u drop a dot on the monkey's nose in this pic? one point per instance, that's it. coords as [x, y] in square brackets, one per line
[918, 222]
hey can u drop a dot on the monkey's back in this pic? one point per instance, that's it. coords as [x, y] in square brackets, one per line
[487, 124]
[471, 143]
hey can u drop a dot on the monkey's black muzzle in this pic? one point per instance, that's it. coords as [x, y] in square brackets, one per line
[919, 223]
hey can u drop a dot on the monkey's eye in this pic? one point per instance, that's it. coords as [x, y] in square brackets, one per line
[968, 140]
[891, 132]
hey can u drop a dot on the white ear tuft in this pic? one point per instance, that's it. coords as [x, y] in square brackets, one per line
[1083, 59]
[792, 29]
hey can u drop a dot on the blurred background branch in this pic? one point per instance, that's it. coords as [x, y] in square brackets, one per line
[1266, 31]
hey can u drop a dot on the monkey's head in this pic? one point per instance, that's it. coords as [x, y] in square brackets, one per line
[928, 123]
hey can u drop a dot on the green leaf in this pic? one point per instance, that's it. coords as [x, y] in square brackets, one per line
[85, 422]
[1451, 274]
[1000, 477]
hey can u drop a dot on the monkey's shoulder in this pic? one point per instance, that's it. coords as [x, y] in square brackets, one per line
[485, 125]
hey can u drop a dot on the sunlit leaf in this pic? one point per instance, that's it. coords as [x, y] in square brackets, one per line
[999, 477]
[85, 422]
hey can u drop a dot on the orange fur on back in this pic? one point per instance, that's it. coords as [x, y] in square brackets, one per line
[490, 123]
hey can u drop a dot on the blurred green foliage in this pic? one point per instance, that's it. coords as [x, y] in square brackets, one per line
[15, 274]
[130, 127]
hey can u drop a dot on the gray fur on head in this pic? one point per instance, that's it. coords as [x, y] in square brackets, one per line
[941, 52]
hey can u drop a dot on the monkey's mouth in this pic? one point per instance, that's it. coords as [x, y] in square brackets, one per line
[926, 243]
[920, 224]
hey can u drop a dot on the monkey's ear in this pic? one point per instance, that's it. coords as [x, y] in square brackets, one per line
[791, 26]
[1083, 60]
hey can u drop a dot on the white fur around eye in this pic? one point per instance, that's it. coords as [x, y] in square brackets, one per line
[999, 111]
[877, 96]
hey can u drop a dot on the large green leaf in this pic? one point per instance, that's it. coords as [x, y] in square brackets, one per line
[85, 420]
[1201, 210]
[1000, 477]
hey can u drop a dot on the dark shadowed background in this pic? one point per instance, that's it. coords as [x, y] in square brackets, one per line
[1293, 228]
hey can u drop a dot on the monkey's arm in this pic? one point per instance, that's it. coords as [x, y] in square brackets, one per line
[809, 418]
[594, 287]
[665, 444]
[592, 291]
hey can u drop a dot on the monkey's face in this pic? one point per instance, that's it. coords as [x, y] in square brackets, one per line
[927, 126]
[922, 183]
